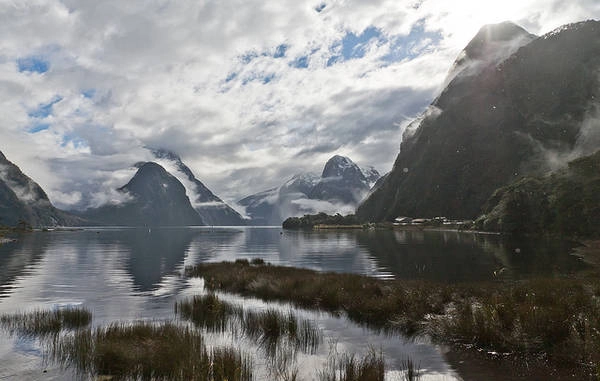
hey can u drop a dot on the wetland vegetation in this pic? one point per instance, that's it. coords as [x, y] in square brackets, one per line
[552, 320]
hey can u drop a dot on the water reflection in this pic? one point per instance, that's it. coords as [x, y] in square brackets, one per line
[129, 274]
[18, 258]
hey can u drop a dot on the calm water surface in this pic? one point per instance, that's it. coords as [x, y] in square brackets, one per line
[125, 274]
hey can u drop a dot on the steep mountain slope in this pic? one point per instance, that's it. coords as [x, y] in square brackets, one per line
[23, 200]
[564, 202]
[157, 199]
[210, 207]
[342, 181]
[339, 189]
[490, 127]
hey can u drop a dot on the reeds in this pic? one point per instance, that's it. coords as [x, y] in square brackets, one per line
[370, 367]
[411, 371]
[555, 318]
[208, 312]
[44, 322]
[150, 351]
[267, 328]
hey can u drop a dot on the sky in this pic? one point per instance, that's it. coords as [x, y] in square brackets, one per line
[247, 92]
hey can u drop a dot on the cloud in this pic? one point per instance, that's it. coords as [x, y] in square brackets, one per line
[247, 92]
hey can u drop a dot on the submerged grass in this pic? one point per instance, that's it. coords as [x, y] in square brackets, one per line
[370, 367]
[268, 328]
[208, 312]
[143, 350]
[44, 322]
[411, 371]
[558, 319]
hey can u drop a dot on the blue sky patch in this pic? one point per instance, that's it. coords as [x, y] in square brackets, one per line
[268, 78]
[353, 46]
[230, 77]
[413, 44]
[280, 51]
[300, 62]
[37, 127]
[88, 93]
[34, 64]
[248, 57]
[45, 109]
[263, 78]
[72, 138]
[319, 8]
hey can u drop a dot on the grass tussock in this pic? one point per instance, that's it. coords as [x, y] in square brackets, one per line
[208, 312]
[268, 328]
[370, 367]
[411, 371]
[558, 318]
[44, 322]
[149, 351]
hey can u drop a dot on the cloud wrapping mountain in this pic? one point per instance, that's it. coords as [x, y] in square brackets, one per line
[245, 91]
[523, 116]
[339, 189]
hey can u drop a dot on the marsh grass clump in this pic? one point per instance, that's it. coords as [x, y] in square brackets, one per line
[268, 328]
[411, 371]
[371, 367]
[283, 365]
[149, 351]
[557, 318]
[208, 312]
[229, 365]
[46, 322]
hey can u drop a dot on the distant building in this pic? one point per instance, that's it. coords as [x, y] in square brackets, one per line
[403, 220]
[419, 221]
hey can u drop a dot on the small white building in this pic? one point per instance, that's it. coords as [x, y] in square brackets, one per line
[402, 220]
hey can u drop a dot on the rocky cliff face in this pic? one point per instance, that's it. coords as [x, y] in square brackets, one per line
[513, 116]
[23, 200]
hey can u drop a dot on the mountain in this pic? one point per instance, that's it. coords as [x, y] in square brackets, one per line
[519, 116]
[210, 207]
[565, 202]
[342, 181]
[274, 205]
[341, 186]
[157, 198]
[490, 46]
[23, 200]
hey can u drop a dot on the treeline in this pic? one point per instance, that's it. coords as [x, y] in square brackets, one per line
[308, 221]
[566, 202]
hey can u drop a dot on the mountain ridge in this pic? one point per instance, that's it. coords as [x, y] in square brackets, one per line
[490, 129]
[157, 199]
[23, 200]
[212, 209]
[339, 188]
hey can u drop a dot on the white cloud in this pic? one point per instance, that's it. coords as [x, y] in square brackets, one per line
[154, 74]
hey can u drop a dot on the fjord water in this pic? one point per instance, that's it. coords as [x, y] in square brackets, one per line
[125, 274]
